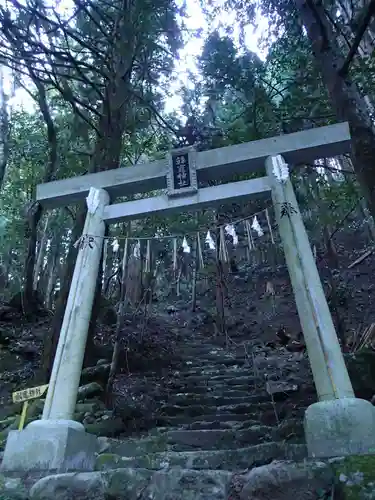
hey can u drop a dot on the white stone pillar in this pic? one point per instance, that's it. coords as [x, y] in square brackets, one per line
[57, 442]
[64, 382]
[327, 363]
[338, 424]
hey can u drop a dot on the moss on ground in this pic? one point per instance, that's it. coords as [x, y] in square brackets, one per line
[355, 477]
[108, 461]
[12, 489]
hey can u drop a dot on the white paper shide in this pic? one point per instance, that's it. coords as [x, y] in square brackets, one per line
[280, 168]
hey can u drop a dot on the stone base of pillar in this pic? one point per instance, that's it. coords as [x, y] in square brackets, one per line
[340, 427]
[50, 445]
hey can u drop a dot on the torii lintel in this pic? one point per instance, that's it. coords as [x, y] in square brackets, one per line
[222, 163]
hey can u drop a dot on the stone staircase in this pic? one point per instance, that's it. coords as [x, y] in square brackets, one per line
[225, 412]
[216, 420]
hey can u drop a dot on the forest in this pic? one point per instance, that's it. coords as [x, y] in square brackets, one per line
[90, 85]
[195, 355]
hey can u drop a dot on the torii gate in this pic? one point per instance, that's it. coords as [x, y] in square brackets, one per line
[339, 424]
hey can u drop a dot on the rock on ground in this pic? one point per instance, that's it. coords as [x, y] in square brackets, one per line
[13, 489]
[352, 478]
[288, 480]
[82, 486]
[135, 484]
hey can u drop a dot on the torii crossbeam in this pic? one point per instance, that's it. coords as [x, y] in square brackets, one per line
[216, 164]
[339, 424]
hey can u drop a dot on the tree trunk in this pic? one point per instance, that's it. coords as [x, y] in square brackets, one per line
[31, 235]
[346, 99]
[334, 304]
[107, 152]
[220, 282]
[119, 323]
[363, 210]
[36, 212]
[51, 276]
[108, 144]
[195, 261]
[48, 297]
[51, 340]
[106, 156]
[4, 130]
[107, 271]
[332, 257]
[3, 278]
[39, 261]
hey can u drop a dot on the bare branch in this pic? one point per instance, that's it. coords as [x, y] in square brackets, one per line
[67, 94]
[152, 108]
[343, 71]
[95, 22]
[59, 26]
[337, 27]
[82, 75]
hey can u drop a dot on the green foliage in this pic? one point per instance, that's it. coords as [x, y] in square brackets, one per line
[355, 477]
[234, 97]
[340, 197]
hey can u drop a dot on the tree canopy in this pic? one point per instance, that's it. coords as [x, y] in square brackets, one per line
[112, 84]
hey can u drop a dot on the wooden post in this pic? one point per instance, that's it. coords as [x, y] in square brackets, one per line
[327, 363]
[23, 415]
[63, 387]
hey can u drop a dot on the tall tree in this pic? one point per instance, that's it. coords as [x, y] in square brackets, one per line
[105, 60]
[4, 127]
[347, 101]
[346, 98]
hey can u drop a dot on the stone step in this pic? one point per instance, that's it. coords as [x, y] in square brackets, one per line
[217, 424]
[249, 380]
[246, 348]
[233, 460]
[140, 446]
[210, 383]
[215, 436]
[207, 366]
[214, 351]
[242, 433]
[218, 439]
[197, 364]
[211, 417]
[200, 346]
[208, 371]
[207, 425]
[219, 375]
[215, 348]
[204, 425]
[212, 355]
[208, 400]
[196, 410]
[227, 360]
[217, 389]
[189, 440]
[223, 392]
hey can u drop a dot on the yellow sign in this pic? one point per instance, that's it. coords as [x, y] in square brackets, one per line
[26, 394]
